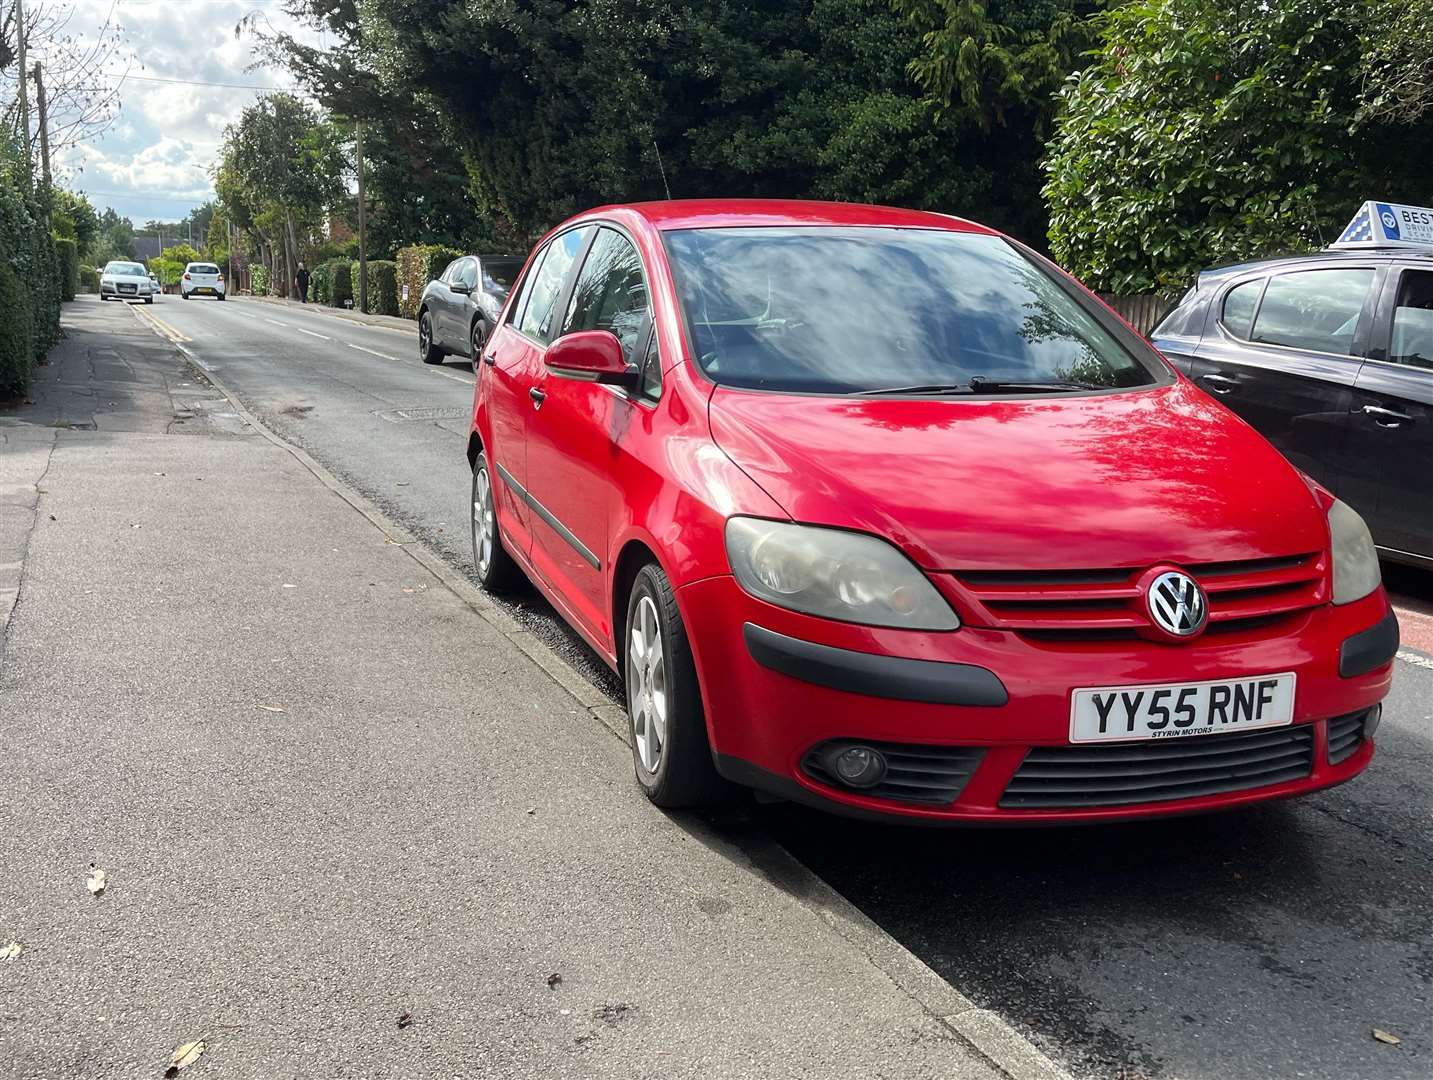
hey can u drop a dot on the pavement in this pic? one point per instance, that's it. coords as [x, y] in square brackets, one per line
[353, 819]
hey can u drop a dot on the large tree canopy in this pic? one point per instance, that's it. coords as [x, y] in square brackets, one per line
[1209, 131]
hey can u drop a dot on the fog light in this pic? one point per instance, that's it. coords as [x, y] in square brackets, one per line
[1370, 722]
[860, 766]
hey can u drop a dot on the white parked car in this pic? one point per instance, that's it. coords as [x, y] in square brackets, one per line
[202, 278]
[125, 281]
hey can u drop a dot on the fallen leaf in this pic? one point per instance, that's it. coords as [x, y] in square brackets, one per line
[405, 1020]
[52, 517]
[531, 810]
[95, 882]
[1386, 1037]
[185, 1056]
[270, 708]
[554, 979]
[9, 952]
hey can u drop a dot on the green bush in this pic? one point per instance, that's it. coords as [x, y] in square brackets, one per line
[69, 259]
[27, 251]
[259, 280]
[341, 289]
[416, 266]
[89, 280]
[383, 287]
[16, 351]
[321, 280]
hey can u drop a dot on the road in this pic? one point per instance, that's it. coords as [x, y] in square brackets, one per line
[1261, 944]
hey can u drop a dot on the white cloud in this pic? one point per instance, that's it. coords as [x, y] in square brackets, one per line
[153, 161]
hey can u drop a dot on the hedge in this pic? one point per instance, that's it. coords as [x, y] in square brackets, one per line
[341, 289]
[68, 256]
[382, 287]
[259, 280]
[321, 280]
[417, 265]
[89, 280]
[16, 350]
[27, 253]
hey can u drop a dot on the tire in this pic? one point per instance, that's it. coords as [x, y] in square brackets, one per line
[476, 340]
[185, 295]
[221, 298]
[427, 351]
[149, 299]
[499, 573]
[666, 724]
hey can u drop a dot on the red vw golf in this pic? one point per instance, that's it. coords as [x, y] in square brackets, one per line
[881, 511]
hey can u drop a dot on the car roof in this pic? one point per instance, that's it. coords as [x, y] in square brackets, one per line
[733, 213]
[1314, 259]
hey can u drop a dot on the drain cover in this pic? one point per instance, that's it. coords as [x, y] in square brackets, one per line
[425, 413]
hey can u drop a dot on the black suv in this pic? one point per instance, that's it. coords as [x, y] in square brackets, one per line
[1330, 356]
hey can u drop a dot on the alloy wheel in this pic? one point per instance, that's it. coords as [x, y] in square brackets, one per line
[647, 684]
[484, 527]
[425, 335]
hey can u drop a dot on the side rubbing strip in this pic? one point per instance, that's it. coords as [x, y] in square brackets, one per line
[551, 519]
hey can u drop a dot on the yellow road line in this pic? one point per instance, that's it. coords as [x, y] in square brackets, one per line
[158, 325]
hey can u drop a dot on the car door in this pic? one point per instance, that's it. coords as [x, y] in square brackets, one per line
[1391, 424]
[570, 439]
[511, 368]
[1284, 355]
[437, 297]
[460, 305]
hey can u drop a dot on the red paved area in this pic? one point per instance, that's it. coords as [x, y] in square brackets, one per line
[1412, 595]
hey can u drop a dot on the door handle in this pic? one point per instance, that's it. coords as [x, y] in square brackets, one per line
[1219, 384]
[1386, 417]
[538, 397]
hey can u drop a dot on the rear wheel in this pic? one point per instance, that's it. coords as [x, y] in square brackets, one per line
[497, 573]
[221, 297]
[429, 352]
[667, 725]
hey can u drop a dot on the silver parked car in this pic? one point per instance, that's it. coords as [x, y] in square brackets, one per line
[458, 311]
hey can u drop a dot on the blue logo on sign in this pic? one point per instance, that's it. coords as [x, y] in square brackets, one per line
[1389, 220]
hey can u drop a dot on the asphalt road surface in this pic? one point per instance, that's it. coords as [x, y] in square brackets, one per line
[1267, 943]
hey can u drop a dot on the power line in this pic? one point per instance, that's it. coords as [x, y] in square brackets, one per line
[188, 82]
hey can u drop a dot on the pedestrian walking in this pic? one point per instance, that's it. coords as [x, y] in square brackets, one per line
[301, 280]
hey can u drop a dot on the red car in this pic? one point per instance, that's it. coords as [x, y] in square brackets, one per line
[881, 511]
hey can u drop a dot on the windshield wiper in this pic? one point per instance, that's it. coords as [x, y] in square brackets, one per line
[927, 388]
[979, 384]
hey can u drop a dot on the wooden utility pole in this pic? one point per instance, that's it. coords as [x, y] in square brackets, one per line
[362, 232]
[44, 137]
[23, 97]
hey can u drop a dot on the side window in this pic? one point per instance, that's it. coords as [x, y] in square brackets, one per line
[1313, 309]
[1412, 342]
[651, 385]
[515, 310]
[611, 293]
[447, 275]
[466, 272]
[1239, 304]
[538, 320]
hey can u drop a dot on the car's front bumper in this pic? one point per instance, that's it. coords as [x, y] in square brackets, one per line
[777, 684]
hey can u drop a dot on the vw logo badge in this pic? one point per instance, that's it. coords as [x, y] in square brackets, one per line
[1177, 605]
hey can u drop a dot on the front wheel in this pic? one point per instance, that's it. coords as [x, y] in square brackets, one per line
[497, 573]
[667, 725]
[149, 299]
[184, 296]
[427, 351]
[221, 298]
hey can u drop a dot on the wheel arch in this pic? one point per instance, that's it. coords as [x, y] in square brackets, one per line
[475, 447]
[635, 553]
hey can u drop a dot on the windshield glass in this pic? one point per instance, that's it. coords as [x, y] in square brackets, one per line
[125, 269]
[856, 310]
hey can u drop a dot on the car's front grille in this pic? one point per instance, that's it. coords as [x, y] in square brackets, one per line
[915, 774]
[1062, 777]
[1345, 736]
[1108, 603]
[128, 288]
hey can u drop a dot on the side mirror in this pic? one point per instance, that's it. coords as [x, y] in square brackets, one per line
[460, 288]
[590, 355]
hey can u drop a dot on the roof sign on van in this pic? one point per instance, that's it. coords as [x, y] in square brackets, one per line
[1381, 224]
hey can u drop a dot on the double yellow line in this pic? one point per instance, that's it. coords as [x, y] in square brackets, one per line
[160, 327]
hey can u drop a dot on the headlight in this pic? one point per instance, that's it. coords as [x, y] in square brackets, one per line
[1355, 560]
[834, 574]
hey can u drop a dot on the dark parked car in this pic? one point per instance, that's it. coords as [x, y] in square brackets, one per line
[1330, 356]
[457, 312]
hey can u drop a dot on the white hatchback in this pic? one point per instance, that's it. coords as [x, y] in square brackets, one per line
[205, 279]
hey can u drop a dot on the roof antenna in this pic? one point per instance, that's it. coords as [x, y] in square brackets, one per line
[662, 169]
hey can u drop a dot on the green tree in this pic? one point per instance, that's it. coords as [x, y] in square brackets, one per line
[75, 219]
[1397, 61]
[1209, 132]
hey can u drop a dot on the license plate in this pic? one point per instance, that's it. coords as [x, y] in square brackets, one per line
[1181, 710]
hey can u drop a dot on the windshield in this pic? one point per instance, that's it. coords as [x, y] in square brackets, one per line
[857, 310]
[125, 269]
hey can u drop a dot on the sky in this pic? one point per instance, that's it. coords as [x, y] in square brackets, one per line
[152, 163]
